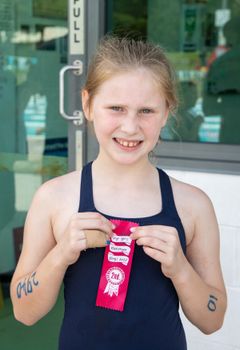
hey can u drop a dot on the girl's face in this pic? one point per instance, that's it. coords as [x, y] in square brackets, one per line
[128, 113]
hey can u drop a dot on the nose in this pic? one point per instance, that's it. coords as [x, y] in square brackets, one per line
[130, 124]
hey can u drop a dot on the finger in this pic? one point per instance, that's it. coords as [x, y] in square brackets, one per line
[152, 243]
[101, 224]
[154, 228]
[158, 234]
[95, 238]
[93, 216]
[155, 254]
[88, 215]
[155, 231]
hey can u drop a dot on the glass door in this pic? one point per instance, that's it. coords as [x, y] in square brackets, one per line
[44, 49]
[33, 136]
[86, 26]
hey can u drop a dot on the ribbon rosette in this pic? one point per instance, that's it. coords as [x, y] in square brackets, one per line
[115, 276]
[113, 285]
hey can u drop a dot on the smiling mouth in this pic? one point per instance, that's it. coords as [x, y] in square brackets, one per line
[128, 144]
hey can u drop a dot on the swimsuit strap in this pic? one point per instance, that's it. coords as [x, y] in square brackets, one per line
[86, 190]
[168, 203]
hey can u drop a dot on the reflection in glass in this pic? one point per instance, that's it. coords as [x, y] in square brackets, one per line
[34, 117]
[33, 137]
[202, 39]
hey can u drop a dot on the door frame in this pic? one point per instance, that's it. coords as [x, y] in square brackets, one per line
[86, 25]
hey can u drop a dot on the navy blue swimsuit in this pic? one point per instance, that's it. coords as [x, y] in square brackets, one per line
[150, 320]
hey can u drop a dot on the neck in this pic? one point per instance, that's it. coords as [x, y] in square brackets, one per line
[117, 173]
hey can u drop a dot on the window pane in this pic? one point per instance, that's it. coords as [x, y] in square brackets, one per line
[33, 136]
[202, 39]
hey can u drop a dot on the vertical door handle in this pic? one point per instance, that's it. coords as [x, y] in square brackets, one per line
[77, 67]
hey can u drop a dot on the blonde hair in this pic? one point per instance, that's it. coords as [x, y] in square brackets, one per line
[115, 55]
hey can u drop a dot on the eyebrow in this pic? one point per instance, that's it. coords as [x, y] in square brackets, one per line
[124, 105]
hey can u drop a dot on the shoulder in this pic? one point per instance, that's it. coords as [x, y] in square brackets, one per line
[59, 191]
[61, 183]
[193, 205]
[55, 202]
[189, 194]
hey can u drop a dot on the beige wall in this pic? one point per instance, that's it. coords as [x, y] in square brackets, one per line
[224, 191]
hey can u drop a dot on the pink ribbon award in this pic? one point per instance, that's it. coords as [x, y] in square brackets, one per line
[116, 269]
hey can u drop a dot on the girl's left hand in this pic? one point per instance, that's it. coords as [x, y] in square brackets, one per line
[162, 244]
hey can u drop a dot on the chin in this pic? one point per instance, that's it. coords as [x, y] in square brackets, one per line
[128, 160]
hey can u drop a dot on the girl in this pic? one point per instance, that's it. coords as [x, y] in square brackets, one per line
[129, 93]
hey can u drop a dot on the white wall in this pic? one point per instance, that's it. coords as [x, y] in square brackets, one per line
[224, 191]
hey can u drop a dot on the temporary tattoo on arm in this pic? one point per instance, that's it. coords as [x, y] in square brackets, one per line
[212, 303]
[26, 286]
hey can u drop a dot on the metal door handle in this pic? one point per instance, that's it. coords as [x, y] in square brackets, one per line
[78, 68]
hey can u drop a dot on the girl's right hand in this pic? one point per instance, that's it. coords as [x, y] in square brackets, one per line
[74, 240]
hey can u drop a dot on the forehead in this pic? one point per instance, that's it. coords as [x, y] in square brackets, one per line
[133, 83]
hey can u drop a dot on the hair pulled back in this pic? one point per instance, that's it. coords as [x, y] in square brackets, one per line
[115, 55]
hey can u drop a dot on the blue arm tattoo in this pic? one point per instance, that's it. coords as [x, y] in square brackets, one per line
[212, 305]
[26, 286]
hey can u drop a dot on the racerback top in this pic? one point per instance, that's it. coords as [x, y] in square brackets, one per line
[150, 320]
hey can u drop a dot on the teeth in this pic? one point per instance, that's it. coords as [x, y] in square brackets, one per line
[128, 144]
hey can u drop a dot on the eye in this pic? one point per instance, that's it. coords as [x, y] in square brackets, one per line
[116, 108]
[146, 111]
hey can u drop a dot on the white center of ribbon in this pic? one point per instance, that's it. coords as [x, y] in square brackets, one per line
[118, 258]
[121, 239]
[119, 249]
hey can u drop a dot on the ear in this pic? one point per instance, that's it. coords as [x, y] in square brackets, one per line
[165, 117]
[85, 105]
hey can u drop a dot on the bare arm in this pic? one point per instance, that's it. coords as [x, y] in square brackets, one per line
[44, 259]
[197, 278]
[200, 285]
[40, 270]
